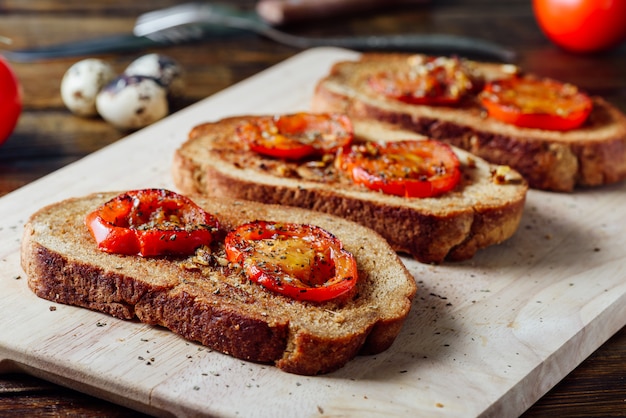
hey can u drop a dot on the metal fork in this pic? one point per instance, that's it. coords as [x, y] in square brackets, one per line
[186, 22]
[201, 21]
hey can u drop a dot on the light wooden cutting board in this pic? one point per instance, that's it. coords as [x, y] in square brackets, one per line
[485, 337]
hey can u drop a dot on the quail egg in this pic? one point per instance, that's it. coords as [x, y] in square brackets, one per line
[82, 82]
[162, 68]
[131, 102]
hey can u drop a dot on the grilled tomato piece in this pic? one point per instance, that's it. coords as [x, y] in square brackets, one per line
[427, 81]
[295, 136]
[410, 168]
[151, 222]
[303, 262]
[531, 102]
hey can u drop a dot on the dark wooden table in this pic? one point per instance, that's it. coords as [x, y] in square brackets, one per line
[49, 137]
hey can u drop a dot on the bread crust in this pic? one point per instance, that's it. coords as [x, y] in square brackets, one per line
[477, 214]
[592, 155]
[213, 303]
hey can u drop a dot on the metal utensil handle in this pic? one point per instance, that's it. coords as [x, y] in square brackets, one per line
[115, 43]
[427, 43]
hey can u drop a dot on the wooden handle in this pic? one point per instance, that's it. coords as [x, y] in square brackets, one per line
[279, 12]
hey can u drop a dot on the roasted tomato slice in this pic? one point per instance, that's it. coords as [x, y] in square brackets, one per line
[427, 80]
[151, 222]
[303, 262]
[411, 168]
[296, 136]
[536, 103]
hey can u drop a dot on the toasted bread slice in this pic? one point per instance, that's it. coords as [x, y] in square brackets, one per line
[481, 211]
[592, 155]
[201, 299]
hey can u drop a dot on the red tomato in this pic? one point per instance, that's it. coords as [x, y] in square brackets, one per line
[536, 103]
[408, 168]
[10, 100]
[303, 262]
[429, 81]
[582, 25]
[296, 136]
[151, 222]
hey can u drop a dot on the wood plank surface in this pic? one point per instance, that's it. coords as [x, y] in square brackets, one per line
[485, 337]
[48, 137]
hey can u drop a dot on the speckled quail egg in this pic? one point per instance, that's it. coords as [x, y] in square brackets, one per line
[82, 82]
[132, 102]
[161, 67]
